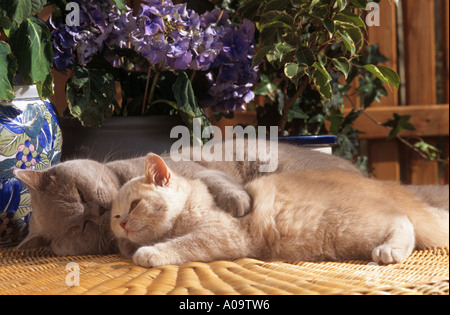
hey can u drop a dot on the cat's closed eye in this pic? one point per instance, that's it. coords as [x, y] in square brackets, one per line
[134, 204]
[80, 194]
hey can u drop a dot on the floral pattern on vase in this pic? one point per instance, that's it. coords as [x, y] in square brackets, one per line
[30, 138]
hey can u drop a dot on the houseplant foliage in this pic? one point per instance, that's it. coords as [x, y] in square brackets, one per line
[178, 58]
[25, 47]
[310, 54]
[166, 57]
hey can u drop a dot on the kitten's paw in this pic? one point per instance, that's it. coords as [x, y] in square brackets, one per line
[385, 254]
[148, 256]
[235, 201]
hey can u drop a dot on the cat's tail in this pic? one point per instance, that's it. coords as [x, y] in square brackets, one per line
[431, 227]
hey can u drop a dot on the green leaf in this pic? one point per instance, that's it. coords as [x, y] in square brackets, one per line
[343, 65]
[19, 10]
[306, 56]
[350, 18]
[385, 74]
[265, 86]
[348, 42]
[260, 55]
[250, 9]
[336, 117]
[430, 151]
[347, 146]
[399, 123]
[292, 70]
[362, 4]
[322, 81]
[187, 103]
[341, 4]
[320, 12]
[357, 37]
[313, 4]
[370, 89]
[284, 48]
[45, 89]
[5, 25]
[297, 113]
[120, 4]
[277, 16]
[276, 5]
[268, 36]
[8, 67]
[91, 95]
[33, 49]
[329, 25]
[274, 24]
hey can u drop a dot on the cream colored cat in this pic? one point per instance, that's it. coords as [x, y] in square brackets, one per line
[163, 218]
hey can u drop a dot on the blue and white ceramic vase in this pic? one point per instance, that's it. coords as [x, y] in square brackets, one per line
[30, 138]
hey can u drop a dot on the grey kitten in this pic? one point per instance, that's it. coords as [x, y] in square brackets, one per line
[72, 201]
[71, 205]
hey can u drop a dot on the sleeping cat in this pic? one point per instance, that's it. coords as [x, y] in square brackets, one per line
[71, 207]
[72, 200]
[163, 218]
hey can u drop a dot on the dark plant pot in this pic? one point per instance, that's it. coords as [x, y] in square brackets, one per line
[118, 138]
[30, 138]
[323, 143]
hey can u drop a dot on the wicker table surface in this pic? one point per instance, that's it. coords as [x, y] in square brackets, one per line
[38, 272]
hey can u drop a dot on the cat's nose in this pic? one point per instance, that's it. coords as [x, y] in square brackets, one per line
[122, 224]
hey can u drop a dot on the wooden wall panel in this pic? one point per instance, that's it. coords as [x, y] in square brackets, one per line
[384, 155]
[445, 45]
[445, 154]
[384, 159]
[385, 36]
[429, 121]
[420, 69]
[420, 61]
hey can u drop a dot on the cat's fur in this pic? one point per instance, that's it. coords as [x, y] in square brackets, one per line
[70, 199]
[71, 207]
[74, 224]
[163, 218]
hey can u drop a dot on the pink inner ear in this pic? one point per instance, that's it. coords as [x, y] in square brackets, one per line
[156, 171]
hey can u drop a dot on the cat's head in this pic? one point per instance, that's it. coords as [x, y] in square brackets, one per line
[71, 208]
[147, 207]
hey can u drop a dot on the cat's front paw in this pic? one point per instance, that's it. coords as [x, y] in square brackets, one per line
[148, 256]
[235, 201]
[385, 254]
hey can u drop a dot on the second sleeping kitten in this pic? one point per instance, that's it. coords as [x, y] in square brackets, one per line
[162, 218]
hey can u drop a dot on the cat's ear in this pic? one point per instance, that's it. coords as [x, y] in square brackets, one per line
[156, 170]
[33, 179]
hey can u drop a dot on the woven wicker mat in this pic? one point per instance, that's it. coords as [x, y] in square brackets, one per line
[38, 272]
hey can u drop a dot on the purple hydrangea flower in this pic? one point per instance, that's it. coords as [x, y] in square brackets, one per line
[63, 43]
[97, 21]
[230, 85]
[171, 37]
